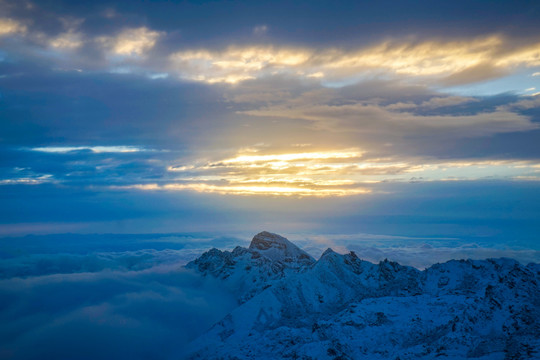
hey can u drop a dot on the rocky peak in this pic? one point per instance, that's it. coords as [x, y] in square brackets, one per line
[278, 248]
[328, 252]
[266, 240]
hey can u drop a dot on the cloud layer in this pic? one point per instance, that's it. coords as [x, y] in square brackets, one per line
[107, 314]
[92, 41]
[452, 62]
[138, 303]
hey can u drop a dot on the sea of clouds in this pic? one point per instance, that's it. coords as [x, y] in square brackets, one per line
[69, 299]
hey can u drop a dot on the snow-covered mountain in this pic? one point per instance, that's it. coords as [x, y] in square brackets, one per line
[341, 307]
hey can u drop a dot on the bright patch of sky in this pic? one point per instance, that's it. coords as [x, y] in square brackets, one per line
[522, 83]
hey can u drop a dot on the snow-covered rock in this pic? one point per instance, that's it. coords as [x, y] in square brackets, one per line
[341, 307]
[247, 272]
[278, 248]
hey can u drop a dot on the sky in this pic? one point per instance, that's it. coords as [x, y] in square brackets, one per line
[398, 118]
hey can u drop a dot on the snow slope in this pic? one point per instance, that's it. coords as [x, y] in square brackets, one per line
[341, 307]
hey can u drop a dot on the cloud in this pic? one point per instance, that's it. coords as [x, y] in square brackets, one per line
[72, 38]
[481, 72]
[260, 30]
[108, 314]
[531, 102]
[424, 255]
[279, 189]
[235, 64]
[357, 137]
[528, 54]
[385, 117]
[448, 60]
[366, 117]
[35, 180]
[444, 101]
[61, 299]
[68, 40]
[326, 173]
[411, 251]
[64, 262]
[94, 149]
[452, 62]
[10, 26]
[420, 252]
[131, 42]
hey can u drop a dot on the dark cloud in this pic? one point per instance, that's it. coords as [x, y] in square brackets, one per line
[306, 22]
[482, 208]
[79, 109]
[413, 119]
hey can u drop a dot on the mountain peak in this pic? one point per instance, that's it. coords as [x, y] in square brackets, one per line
[266, 240]
[328, 251]
[278, 248]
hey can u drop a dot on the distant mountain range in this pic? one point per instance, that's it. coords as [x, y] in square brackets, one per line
[292, 306]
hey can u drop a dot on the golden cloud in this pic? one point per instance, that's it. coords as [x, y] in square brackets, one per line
[236, 63]
[68, 40]
[437, 59]
[327, 173]
[246, 190]
[9, 26]
[131, 42]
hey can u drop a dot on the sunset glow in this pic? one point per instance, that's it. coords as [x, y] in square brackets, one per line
[329, 173]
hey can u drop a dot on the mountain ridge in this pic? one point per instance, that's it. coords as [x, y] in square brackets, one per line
[331, 307]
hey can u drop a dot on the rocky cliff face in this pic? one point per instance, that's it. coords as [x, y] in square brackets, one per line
[341, 307]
